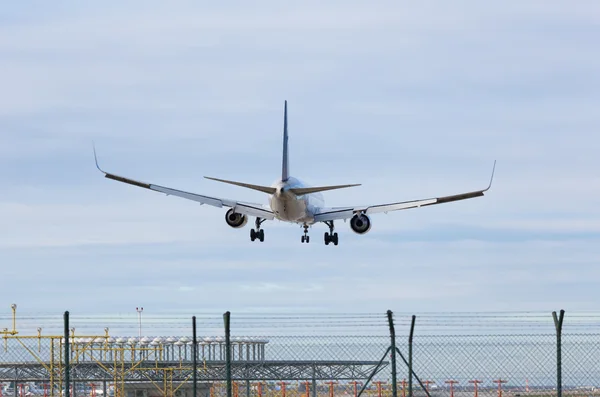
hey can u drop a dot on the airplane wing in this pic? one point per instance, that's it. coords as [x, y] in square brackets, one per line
[330, 214]
[250, 209]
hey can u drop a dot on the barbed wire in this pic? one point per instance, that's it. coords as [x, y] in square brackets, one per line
[458, 323]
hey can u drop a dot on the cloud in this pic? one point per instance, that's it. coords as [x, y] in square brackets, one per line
[412, 101]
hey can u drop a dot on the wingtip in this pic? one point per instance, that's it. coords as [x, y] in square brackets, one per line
[96, 158]
[492, 177]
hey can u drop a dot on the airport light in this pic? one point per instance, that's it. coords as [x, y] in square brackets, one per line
[331, 383]
[354, 383]
[404, 383]
[476, 382]
[283, 384]
[14, 312]
[451, 382]
[139, 310]
[379, 388]
[306, 383]
[427, 383]
[499, 382]
[259, 389]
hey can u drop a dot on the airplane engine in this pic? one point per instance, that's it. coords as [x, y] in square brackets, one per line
[360, 223]
[235, 220]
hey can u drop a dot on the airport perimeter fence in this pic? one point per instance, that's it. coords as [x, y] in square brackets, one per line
[302, 355]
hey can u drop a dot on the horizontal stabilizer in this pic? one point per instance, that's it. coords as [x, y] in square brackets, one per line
[264, 189]
[307, 190]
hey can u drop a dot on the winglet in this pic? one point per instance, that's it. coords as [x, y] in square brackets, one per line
[492, 177]
[96, 158]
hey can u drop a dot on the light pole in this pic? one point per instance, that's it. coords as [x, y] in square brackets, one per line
[139, 310]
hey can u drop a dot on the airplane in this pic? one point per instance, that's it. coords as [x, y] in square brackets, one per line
[291, 200]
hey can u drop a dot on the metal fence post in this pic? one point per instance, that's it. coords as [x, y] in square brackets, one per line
[314, 381]
[67, 356]
[393, 340]
[410, 356]
[558, 322]
[195, 361]
[226, 319]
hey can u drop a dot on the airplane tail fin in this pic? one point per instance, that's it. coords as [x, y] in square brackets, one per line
[264, 189]
[285, 166]
[307, 190]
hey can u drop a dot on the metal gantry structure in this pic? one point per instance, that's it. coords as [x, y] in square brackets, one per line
[165, 362]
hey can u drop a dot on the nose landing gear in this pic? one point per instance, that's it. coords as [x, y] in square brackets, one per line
[331, 237]
[258, 233]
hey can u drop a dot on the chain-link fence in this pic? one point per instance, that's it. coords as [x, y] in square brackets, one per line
[301, 355]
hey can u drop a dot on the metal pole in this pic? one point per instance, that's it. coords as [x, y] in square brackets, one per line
[67, 356]
[410, 356]
[226, 319]
[374, 372]
[195, 361]
[314, 380]
[558, 322]
[140, 310]
[393, 338]
[413, 372]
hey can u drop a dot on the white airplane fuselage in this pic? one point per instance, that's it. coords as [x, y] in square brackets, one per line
[292, 208]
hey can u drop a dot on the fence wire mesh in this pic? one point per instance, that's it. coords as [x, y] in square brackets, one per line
[300, 355]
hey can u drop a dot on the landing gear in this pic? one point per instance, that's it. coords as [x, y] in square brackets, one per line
[258, 233]
[306, 237]
[331, 237]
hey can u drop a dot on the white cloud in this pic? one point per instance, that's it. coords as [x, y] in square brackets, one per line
[410, 100]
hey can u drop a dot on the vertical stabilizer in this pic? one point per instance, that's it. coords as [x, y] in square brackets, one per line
[285, 167]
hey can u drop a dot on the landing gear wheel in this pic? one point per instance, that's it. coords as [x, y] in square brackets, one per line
[305, 238]
[258, 233]
[330, 237]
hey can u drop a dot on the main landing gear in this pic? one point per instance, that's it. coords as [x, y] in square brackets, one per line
[258, 233]
[306, 237]
[331, 237]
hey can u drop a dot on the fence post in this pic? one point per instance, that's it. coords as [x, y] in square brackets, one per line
[226, 318]
[410, 356]
[558, 322]
[67, 356]
[195, 361]
[314, 380]
[393, 340]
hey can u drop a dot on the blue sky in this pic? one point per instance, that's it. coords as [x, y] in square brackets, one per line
[411, 100]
